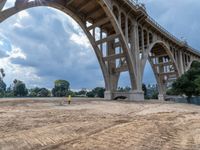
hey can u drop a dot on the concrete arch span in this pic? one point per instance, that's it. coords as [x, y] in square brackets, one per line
[101, 17]
[163, 65]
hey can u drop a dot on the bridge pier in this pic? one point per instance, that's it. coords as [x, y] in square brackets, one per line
[131, 96]
[161, 97]
[108, 95]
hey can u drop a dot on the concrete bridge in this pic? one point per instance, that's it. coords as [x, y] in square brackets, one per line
[124, 37]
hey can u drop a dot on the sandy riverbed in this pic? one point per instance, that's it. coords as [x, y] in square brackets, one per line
[98, 125]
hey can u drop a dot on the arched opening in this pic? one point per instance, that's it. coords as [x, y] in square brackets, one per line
[163, 66]
[97, 20]
[52, 48]
[149, 83]
[124, 84]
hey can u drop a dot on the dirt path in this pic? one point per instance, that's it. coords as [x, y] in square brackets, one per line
[43, 124]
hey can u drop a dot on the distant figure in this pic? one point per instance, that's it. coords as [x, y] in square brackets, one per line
[69, 99]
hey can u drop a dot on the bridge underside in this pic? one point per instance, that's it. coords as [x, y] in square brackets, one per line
[124, 39]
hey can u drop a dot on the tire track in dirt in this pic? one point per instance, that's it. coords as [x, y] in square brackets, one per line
[90, 125]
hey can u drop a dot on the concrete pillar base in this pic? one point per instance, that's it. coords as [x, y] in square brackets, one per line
[161, 97]
[108, 95]
[136, 96]
[131, 96]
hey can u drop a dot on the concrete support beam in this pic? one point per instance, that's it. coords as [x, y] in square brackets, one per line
[99, 23]
[68, 2]
[161, 97]
[107, 39]
[113, 57]
[2, 3]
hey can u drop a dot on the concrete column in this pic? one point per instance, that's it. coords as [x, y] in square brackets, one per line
[108, 95]
[134, 49]
[161, 97]
[126, 29]
[136, 95]
[120, 19]
[101, 36]
[143, 47]
[94, 34]
[181, 61]
[2, 3]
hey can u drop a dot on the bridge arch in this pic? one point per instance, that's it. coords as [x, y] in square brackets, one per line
[190, 64]
[108, 62]
[164, 66]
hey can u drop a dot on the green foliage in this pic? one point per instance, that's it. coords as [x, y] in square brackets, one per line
[90, 94]
[71, 93]
[19, 88]
[44, 93]
[9, 92]
[2, 84]
[197, 83]
[61, 88]
[154, 95]
[144, 89]
[152, 92]
[96, 92]
[171, 91]
[39, 92]
[123, 89]
[82, 92]
[2, 73]
[188, 83]
[99, 92]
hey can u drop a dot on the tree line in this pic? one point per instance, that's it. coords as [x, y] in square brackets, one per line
[186, 85]
[61, 89]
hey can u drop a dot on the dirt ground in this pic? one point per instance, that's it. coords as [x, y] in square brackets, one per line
[42, 124]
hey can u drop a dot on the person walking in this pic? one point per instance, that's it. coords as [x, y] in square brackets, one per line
[69, 99]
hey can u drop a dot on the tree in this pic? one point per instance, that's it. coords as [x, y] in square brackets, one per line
[90, 94]
[144, 89]
[82, 92]
[187, 84]
[2, 73]
[61, 88]
[19, 88]
[197, 83]
[34, 92]
[39, 92]
[71, 93]
[99, 92]
[122, 89]
[2, 84]
[44, 93]
[96, 92]
[9, 92]
[2, 88]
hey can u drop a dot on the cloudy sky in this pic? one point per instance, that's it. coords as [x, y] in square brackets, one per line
[42, 44]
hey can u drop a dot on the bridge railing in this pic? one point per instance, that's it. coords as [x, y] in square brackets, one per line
[151, 20]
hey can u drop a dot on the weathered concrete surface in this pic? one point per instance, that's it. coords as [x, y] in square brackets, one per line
[43, 124]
